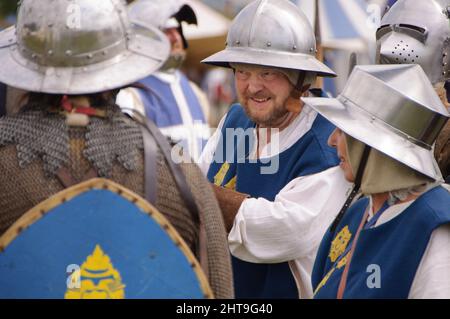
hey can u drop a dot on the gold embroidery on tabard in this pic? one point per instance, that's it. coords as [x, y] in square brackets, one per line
[324, 280]
[232, 183]
[339, 244]
[220, 176]
[341, 263]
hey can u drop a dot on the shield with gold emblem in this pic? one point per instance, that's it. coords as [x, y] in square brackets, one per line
[97, 240]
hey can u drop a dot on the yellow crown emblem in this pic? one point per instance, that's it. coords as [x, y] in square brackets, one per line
[339, 244]
[98, 279]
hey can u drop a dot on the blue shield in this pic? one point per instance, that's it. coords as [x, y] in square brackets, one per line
[97, 240]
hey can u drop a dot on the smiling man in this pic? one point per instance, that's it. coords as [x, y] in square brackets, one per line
[265, 94]
[275, 177]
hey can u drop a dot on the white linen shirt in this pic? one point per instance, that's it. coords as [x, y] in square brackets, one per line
[290, 228]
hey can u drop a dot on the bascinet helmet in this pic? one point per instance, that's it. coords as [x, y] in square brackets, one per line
[417, 31]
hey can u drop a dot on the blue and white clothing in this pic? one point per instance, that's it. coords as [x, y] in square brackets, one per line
[403, 255]
[176, 105]
[276, 233]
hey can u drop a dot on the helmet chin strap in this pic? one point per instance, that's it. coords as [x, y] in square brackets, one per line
[356, 188]
[304, 82]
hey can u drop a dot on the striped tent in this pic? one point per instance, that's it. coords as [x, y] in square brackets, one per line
[345, 24]
[344, 27]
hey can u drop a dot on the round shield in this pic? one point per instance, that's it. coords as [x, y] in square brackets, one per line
[97, 240]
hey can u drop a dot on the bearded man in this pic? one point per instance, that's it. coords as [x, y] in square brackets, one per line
[275, 177]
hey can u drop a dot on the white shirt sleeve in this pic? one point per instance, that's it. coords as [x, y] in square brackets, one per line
[208, 151]
[292, 226]
[129, 98]
[432, 280]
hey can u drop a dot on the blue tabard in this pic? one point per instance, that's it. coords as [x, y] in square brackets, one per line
[393, 249]
[309, 155]
[161, 106]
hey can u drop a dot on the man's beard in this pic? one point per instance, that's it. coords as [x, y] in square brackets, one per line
[270, 119]
[174, 62]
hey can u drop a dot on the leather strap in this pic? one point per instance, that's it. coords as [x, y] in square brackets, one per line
[358, 180]
[180, 180]
[65, 177]
[343, 281]
[150, 160]
[92, 173]
[175, 169]
[67, 180]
